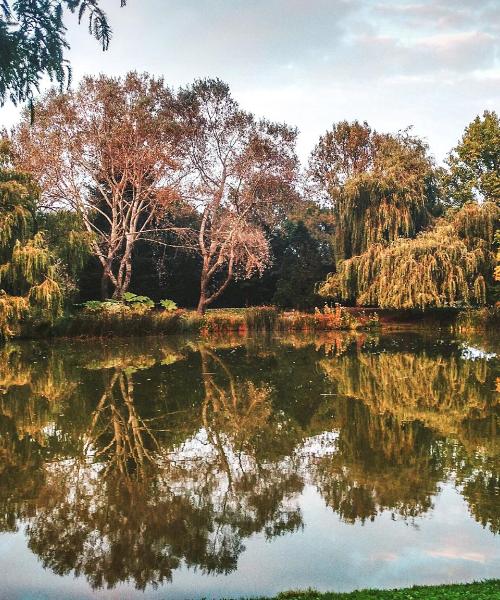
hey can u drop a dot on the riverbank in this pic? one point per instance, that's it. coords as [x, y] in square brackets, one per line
[106, 319]
[120, 320]
[487, 590]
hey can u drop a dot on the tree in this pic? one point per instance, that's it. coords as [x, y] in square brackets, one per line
[30, 276]
[301, 268]
[474, 164]
[33, 41]
[380, 186]
[106, 152]
[450, 264]
[238, 172]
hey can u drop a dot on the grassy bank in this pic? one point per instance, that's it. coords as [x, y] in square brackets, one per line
[99, 319]
[488, 590]
[125, 321]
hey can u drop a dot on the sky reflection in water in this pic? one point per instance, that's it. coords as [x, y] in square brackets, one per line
[242, 466]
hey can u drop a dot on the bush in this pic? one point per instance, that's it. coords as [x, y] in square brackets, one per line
[168, 305]
[138, 303]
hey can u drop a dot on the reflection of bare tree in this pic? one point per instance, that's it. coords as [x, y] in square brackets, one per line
[118, 481]
[117, 434]
[131, 508]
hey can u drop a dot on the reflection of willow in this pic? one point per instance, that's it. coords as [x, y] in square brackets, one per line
[453, 397]
[31, 393]
[30, 400]
[379, 464]
[441, 391]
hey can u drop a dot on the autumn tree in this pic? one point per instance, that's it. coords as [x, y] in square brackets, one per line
[380, 186]
[474, 164]
[106, 152]
[33, 42]
[239, 170]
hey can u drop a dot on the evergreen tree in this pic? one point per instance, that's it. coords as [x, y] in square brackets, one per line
[301, 268]
[33, 41]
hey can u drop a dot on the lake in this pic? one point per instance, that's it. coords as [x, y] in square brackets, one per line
[240, 466]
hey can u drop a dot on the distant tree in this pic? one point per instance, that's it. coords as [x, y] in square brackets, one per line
[380, 186]
[106, 152]
[474, 164]
[302, 266]
[238, 173]
[33, 41]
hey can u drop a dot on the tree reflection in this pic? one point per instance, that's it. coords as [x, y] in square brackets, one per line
[128, 461]
[421, 418]
[379, 464]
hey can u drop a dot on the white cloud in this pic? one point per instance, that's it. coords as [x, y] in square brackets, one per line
[431, 64]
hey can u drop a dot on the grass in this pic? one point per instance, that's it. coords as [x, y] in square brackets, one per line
[487, 590]
[117, 320]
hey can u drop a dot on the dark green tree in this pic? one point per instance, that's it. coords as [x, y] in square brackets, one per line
[301, 268]
[33, 42]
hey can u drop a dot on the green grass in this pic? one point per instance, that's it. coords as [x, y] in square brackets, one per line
[487, 590]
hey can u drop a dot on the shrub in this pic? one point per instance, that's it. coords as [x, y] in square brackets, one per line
[168, 305]
[138, 303]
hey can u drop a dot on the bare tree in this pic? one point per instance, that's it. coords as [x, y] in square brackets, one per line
[238, 172]
[106, 151]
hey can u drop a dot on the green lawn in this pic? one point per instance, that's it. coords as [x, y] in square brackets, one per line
[488, 590]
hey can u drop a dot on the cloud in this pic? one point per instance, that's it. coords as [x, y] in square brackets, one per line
[429, 63]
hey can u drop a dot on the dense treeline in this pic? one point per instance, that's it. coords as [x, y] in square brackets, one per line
[125, 185]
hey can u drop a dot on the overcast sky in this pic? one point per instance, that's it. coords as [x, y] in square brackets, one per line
[433, 64]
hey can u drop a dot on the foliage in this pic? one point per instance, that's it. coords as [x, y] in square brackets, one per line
[474, 164]
[486, 590]
[448, 265]
[30, 275]
[134, 300]
[33, 42]
[106, 152]
[301, 268]
[168, 305]
[239, 172]
[380, 186]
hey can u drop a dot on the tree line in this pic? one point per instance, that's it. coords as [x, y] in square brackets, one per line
[127, 184]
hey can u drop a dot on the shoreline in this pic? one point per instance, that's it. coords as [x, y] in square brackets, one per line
[483, 590]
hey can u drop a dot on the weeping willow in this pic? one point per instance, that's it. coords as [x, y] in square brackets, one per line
[29, 277]
[450, 264]
[381, 186]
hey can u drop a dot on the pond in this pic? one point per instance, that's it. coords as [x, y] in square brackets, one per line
[243, 466]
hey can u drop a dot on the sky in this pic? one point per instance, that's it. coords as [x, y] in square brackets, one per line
[431, 64]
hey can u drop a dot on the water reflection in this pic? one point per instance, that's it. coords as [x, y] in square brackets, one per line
[125, 461]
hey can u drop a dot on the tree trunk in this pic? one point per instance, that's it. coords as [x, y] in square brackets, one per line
[104, 286]
[202, 303]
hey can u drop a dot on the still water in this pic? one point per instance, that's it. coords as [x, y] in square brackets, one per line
[180, 468]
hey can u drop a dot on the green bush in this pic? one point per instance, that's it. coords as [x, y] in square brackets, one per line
[140, 303]
[168, 305]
